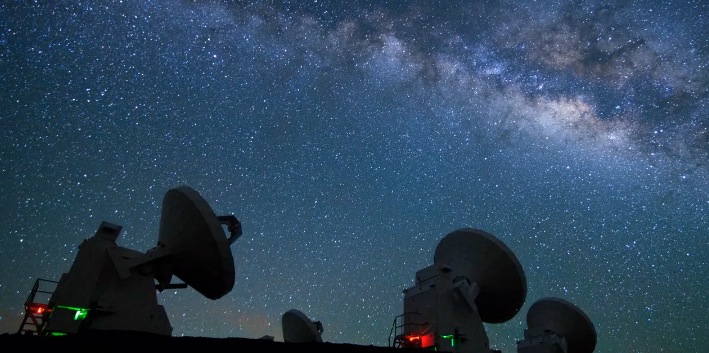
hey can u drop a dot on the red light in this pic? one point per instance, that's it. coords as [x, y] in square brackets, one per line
[413, 338]
[37, 308]
[427, 340]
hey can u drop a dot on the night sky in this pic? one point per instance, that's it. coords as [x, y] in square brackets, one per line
[350, 137]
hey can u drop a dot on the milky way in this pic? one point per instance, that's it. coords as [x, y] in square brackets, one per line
[349, 139]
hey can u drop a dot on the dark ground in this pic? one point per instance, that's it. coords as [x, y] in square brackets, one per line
[122, 342]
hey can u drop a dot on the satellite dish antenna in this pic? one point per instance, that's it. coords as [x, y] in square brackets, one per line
[483, 259]
[557, 322]
[196, 243]
[113, 288]
[474, 278]
[298, 328]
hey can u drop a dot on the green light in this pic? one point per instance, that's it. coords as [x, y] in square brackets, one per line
[57, 333]
[80, 314]
[451, 337]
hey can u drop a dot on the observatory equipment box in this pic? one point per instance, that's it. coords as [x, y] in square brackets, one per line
[109, 287]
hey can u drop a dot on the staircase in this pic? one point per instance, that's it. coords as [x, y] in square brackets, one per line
[406, 331]
[37, 308]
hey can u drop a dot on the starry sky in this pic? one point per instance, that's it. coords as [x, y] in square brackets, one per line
[350, 137]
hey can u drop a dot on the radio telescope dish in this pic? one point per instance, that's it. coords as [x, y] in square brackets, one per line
[110, 287]
[298, 328]
[474, 279]
[197, 245]
[485, 260]
[566, 320]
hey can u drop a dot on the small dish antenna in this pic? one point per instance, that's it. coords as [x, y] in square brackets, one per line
[298, 328]
[109, 287]
[474, 278]
[556, 324]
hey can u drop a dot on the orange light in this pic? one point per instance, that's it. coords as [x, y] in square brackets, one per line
[414, 338]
